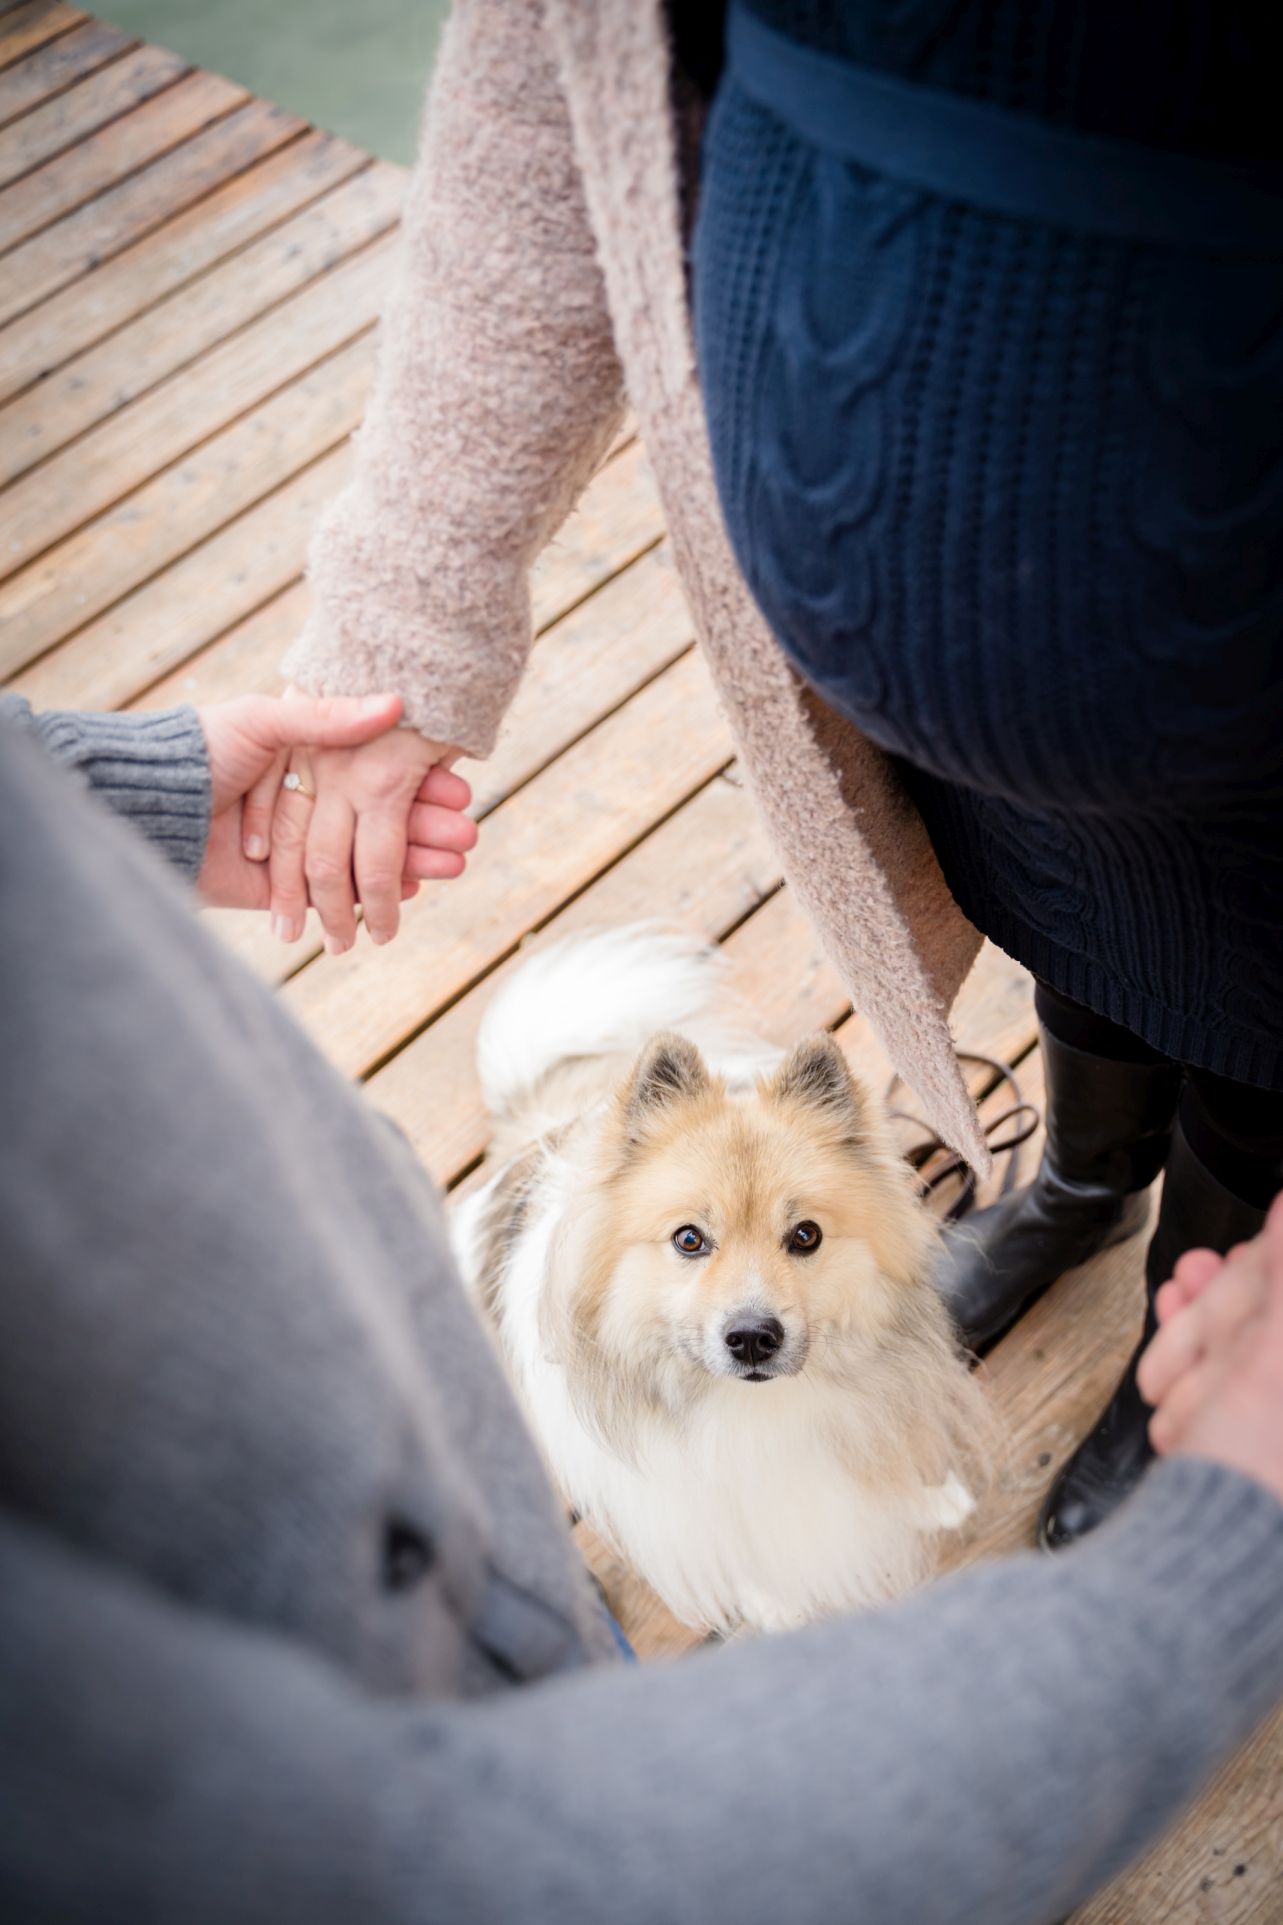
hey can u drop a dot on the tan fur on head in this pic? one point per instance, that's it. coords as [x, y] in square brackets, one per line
[642, 1328]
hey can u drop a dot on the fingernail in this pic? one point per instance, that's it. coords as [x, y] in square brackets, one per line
[255, 848]
[380, 936]
[284, 929]
[335, 946]
[372, 704]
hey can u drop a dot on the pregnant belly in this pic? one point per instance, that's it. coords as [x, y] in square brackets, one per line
[1008, 496]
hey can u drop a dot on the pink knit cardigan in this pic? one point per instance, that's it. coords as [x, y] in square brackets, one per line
[541, 283]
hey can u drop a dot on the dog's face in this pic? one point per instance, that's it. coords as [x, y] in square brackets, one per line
[745, 1237]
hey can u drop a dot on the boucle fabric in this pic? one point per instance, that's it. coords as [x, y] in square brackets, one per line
[543, 277]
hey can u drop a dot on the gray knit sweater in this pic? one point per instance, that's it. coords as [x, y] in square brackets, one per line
[290, 1628]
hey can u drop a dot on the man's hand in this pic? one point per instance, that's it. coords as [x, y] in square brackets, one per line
[249, 742]
[1214, 1372]
[364, 822]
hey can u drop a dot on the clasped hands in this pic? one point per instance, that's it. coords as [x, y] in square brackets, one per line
[376, 811]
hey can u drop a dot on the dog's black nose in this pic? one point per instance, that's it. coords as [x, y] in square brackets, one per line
[756, 1342]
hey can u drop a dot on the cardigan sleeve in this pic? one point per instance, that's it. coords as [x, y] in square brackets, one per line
[497, 393]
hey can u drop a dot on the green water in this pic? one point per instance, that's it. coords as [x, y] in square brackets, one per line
[356, 67]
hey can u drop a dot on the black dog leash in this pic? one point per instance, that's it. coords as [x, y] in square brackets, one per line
[956, 1167]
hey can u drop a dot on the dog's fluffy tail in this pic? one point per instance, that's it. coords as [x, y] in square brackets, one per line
[600, 994]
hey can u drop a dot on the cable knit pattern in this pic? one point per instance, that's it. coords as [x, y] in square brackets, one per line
[1010, 496]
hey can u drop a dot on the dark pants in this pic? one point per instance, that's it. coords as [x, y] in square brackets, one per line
[1235, 1129]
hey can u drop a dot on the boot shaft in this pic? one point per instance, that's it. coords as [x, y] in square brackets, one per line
[1109, 1124]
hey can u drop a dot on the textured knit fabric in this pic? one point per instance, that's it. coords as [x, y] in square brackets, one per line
[1009, 494]
[152, 769]
[551, 132]
[291, 1628]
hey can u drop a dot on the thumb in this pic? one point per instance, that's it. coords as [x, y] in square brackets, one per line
[330, 721]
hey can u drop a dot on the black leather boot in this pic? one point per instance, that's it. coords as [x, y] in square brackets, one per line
[1108, 1130]
[1197, 1213]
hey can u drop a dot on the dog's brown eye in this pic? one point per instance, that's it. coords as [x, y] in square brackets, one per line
[690, 1241]
[805, 1238]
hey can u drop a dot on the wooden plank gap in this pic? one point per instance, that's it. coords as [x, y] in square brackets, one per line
[179, 332]
[244, 207]
[25, 28]
[163, 622]
[81, 242]
[145, 440]
[115, 156]
[90, 106]
[52, 598]
[59, 65]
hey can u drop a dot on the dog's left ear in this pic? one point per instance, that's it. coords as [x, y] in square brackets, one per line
[668, 1070]
[815, 1074]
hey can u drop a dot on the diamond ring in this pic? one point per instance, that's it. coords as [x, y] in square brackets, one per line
[293, 780]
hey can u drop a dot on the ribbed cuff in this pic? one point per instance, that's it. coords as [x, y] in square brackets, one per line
[1209, 1541]
[152, 769]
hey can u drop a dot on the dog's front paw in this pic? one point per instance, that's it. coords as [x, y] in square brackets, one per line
[947, 1506]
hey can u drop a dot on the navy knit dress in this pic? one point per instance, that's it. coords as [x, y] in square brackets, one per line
[996, 401]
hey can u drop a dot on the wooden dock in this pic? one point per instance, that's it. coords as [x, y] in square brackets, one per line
[189, 280]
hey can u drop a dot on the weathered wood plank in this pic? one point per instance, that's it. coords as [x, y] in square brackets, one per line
[175, 332]
[621, 505]
[166, 517]
[59, 65]
[565, 828]
[159, 625]
[617, 519]
[126, 213]
[702, 869]
[23, 29]
[84, 108]
[106, 158]
[126, 288]
[244, 661]
[585, 665]
[137, 440]
[156, 628]
[782, 975]
[649, 1626]
[1222, 1864]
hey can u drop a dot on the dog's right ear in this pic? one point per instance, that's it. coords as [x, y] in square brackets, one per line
[669, 1071]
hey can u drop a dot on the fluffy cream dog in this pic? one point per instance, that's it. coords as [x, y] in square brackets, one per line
[709, 1277]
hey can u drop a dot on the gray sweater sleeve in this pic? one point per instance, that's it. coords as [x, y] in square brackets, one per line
[151, 768]
[990, 1752]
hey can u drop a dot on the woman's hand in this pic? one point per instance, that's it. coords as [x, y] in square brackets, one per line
[249, 742]
[363, 822]
[1214, 1372]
